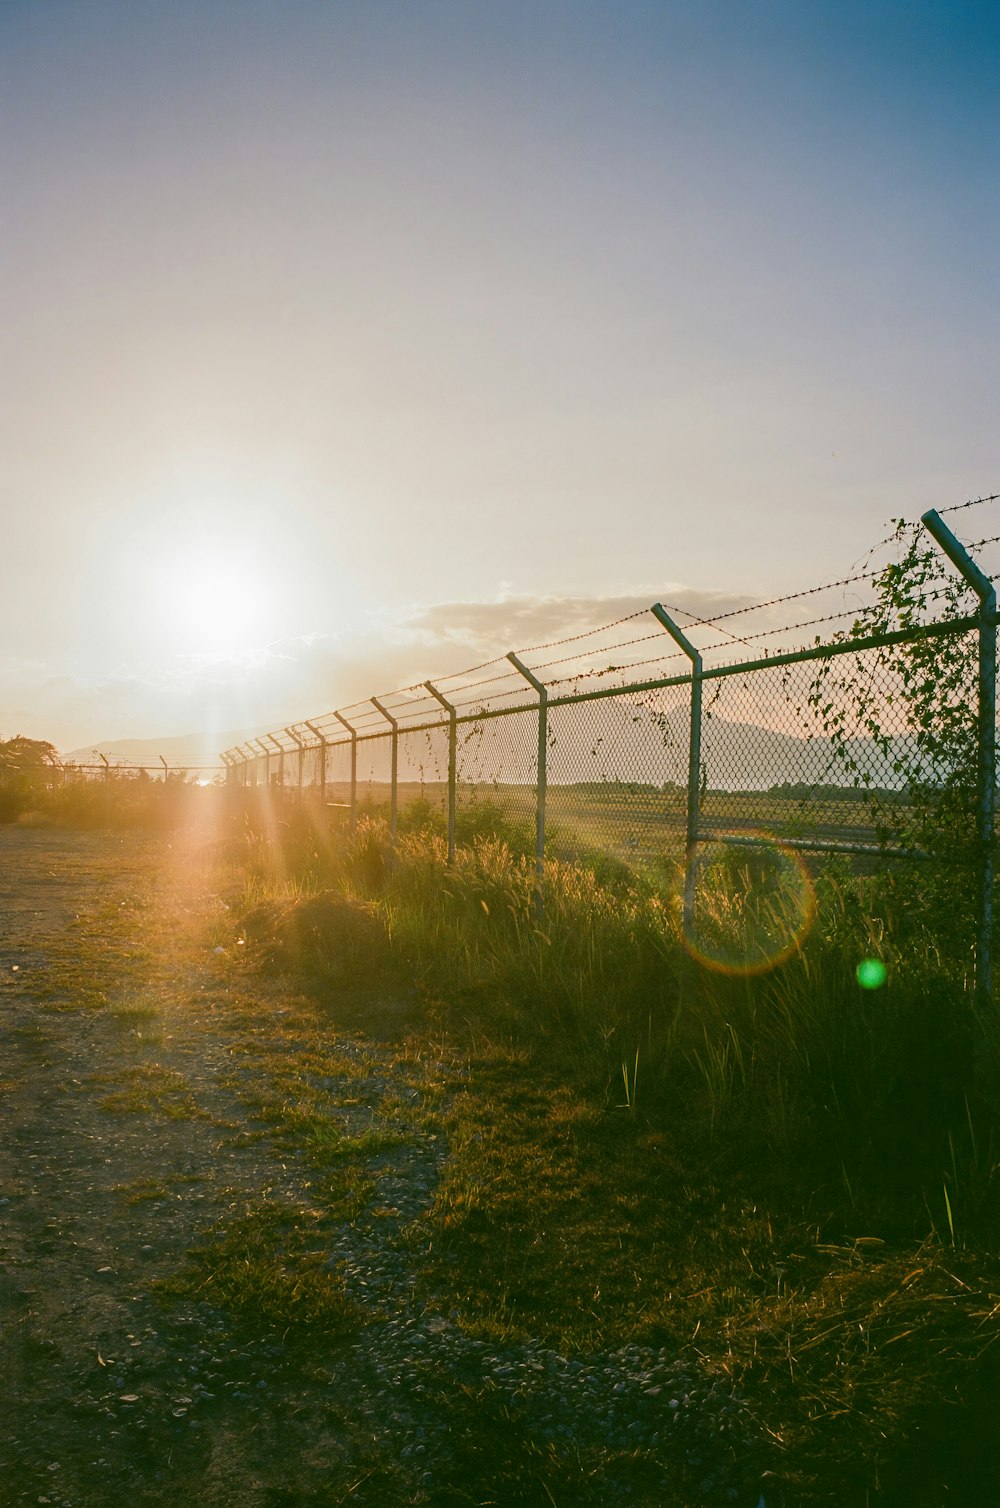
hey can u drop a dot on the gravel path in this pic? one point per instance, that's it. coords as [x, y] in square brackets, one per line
[114, 1396]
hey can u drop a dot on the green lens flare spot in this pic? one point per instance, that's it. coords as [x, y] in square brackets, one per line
[870, 974]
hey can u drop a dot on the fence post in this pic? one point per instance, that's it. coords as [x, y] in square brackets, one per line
[301, 748]
[393, 784]
[541, 785]
[267, 762]
[322, 762]
[281, 759]
[987, 738]
[452, 763]
[354, 767]
[694, 756]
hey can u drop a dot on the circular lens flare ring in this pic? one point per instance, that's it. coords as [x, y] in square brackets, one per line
[754, 904]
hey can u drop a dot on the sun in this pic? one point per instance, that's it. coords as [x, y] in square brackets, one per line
[213, 605]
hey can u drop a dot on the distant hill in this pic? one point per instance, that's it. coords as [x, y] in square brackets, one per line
[600, 741]
[621, 740]
[627, 741]
[186, 749]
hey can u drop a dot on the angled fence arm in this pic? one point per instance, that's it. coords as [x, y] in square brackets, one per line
[393, 781]
[694, 755]
[354, 766]
[985, 590]
[322, 759]
[541, 783]
[452, 763]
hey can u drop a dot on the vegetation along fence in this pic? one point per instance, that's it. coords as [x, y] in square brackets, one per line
[649, 741]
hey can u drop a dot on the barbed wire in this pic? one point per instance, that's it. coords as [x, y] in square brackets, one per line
[974, 502]
[489, 680]
[588, 633]
[757, 607]
[417, 701]
[457, 674]
[625, 644]
[598, 671]
[847, 612]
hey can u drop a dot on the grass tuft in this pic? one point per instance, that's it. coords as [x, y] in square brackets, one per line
[270, 1269]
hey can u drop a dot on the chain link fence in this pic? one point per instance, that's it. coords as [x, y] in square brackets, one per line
[645, 740]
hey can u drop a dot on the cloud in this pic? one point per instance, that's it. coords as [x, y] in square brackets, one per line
[288, 680]
[517, 622]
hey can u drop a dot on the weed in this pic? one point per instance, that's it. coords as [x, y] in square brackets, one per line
[270, 1269]
[784, 1109]
[150, 1089]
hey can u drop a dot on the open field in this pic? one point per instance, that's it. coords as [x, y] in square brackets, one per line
[332, 1178]
[636, 821]
[216, 1266]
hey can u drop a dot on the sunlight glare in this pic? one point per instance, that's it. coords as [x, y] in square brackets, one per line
[213, 604]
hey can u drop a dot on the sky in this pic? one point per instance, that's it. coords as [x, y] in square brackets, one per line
[350, 343]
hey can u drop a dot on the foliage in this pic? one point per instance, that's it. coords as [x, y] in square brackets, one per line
[914, 699]
[20, 755]
[792, 1176]
[24, 763]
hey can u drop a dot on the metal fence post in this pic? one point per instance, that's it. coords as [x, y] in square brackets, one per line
[393, 782]
[262, 746]
[301, 753]
[452, 764]
[987, 736]
[354, 767]
[694, 755]
[281, 759]
[541, 784]
[322, 761]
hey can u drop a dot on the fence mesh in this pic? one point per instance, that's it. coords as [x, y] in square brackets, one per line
[617, 776]
[820, 725]
[497, 766]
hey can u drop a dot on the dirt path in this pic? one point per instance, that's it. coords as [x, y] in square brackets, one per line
[212, 1259]
[136, 1125]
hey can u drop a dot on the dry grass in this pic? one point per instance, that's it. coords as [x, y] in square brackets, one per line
[796, 1185]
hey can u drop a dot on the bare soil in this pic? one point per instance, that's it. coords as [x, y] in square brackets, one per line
[129, 1030]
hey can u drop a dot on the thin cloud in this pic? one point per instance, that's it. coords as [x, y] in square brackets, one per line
[295, 678]
[518, 622]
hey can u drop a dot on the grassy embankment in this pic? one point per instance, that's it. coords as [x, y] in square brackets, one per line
[786, 1174]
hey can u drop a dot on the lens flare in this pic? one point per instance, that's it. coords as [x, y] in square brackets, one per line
[752, 905]
[870, 973]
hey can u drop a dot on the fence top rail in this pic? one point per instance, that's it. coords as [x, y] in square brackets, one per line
[484, 713]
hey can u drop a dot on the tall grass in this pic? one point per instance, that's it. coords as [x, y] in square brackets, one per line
[113, 802]
[864, 1101]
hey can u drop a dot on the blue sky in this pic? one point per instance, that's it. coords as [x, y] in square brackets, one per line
[395, 321]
